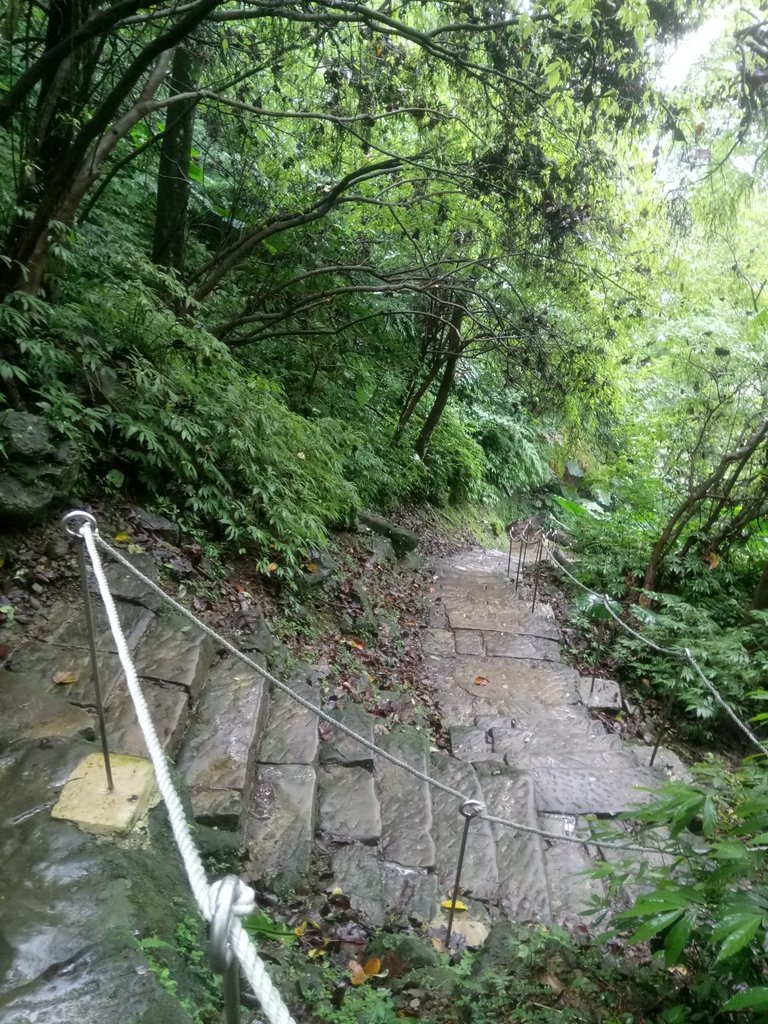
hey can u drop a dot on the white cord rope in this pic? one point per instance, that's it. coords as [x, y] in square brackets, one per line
[252, 966]
[680, 652]
[340, 726]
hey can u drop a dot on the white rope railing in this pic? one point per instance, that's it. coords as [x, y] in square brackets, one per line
[205, 895]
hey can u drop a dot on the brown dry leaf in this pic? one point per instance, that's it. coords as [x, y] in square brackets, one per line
[272, 567]
[713, 559]
[481, 680]
[438, 944]
[65, 678]
[553, 982]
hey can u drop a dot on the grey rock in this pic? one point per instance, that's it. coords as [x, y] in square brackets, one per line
[348, 808]
[25, 436]
[28, 712]
[340, 748]
[175, 651]
[257, 636]
[381, 549]
[291, 734]
[58, 547]
[280, 822]
[480, 876]
[20, 502]
[523, 888]
[436, 617]
[405, 802]
[154, 523]
[219, 751]
[403, 540]
[357, 872]
[168, 709]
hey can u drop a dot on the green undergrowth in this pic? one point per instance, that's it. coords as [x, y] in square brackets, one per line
[523, 975]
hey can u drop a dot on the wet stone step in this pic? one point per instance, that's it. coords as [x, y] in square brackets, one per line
[511, 645]
[574, 760]
[348, 808]
[28, 712]
[470, 743]
[218, 754]
[571, 891]
[507, 680]
[592, 791]
[175, 651]
[72, 631]
[168, 709]
[437, 641]
[337, 747]
[405, 802]
[410, 895]
[470, 641]
[603, 693]
[466, 612]
[356, 871]
[291, 734]
[523, 890]
[44, 663]
[480, 877]
[280, 823]
[124, 586]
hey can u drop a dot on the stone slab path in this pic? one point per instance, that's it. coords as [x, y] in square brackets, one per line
[305, 799]
[522, 742]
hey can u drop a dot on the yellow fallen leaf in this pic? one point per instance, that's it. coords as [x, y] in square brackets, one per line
[65, 678]
[336, 892]
[122, 538]
[314, 953]
[272, 567]
[458, 905]
[300, 455]
[312, 567]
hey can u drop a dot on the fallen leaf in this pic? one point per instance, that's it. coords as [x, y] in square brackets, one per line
[272, 567]
[300, 455]
[314, 953]
[122, 538]
[458, 905]
[325, 732]
[65, 678]
[438, 944]
[552, 982]
[312, 567]
[481, 681]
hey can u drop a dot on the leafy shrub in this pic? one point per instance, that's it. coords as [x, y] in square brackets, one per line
[514, 459]
[455, 462]
[708, 911]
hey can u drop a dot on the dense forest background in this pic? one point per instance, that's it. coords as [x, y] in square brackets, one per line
[264, 264]
[268, 263]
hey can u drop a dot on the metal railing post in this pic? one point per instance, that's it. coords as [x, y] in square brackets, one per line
[469, 809]
[66, 522]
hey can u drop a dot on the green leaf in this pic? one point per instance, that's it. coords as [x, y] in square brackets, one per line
[677, 938]
[752, 999]
[739, 930]
[655, 925]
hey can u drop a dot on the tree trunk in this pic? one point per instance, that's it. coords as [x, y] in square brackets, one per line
[173, 184]
[414, 397]
[454, 347]
[760, 600]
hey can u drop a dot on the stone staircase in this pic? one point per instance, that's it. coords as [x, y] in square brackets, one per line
[311, 800]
